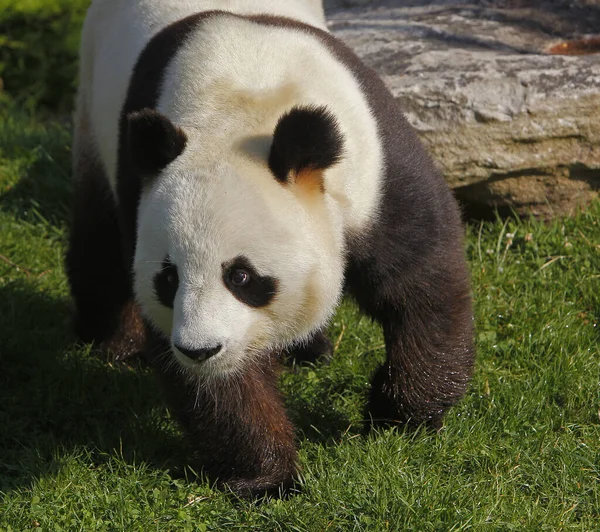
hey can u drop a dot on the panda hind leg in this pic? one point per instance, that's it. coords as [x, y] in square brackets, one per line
[99, 279]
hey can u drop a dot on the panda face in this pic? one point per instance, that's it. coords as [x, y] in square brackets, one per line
[231, 264]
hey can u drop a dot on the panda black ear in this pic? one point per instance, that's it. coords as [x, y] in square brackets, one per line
[153, 140]
[307, 140]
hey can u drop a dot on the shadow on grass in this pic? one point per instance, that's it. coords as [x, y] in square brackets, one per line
[316, 419]
[326, 402]
[56, 398]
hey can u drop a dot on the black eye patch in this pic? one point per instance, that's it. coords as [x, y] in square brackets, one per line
[166, 283]
[245, 283]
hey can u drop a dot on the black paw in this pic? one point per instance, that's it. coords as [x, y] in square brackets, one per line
[262, 489]
[388, 406]
[318, 349]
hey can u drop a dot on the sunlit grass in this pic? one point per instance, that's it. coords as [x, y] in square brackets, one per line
[86, 445]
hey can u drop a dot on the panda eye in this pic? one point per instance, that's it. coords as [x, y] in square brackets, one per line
[247, 285]
[240, 277]
[166, 283]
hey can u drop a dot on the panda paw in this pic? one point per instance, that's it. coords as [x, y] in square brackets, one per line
[262, 488]
[318, 349]
[120, 340]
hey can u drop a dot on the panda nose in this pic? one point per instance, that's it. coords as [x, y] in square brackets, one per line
[199, 354]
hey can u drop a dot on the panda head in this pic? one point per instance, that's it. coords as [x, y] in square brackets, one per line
[236, 257]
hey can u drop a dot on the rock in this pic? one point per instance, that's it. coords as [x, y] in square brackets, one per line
[511, 124]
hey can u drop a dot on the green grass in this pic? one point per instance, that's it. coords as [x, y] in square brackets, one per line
[88, 445]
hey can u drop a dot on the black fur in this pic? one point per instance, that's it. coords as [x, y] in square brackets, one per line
[305, 138]
[98, 273]
[166, 283]
[154, 141]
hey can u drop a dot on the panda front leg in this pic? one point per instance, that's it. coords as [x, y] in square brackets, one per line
[99, 279]
[237, 426]
[426, 318]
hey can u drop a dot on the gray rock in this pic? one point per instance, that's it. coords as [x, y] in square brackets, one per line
[510, 124]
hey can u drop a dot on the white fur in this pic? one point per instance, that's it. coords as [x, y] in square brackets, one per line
[226, 88]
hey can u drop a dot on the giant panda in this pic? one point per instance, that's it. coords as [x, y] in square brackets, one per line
[237, 169]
